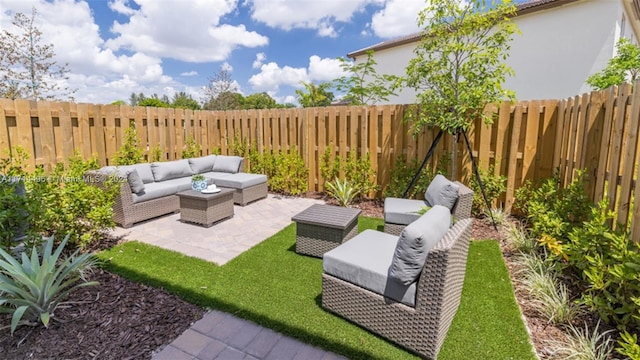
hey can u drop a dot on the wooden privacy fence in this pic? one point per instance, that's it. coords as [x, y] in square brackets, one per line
[530, 140]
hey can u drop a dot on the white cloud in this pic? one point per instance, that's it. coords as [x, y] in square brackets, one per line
[189, 32]
[260, 58]
[326, 69]
[296, 14]
[120, 6]
[397, 18]
[271, 76]
[189, 73]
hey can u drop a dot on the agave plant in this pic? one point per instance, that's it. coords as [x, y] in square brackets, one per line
[33, 288]
[342, 191]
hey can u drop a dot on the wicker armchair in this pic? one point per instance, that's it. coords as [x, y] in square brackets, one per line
[461, 209]
[423, 327]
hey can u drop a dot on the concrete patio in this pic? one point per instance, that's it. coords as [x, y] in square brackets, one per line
[220, 335]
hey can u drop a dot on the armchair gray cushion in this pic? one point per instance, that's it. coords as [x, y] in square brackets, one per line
[202, 164]
[402, 211]
[443, 192]
[228, 164]
[364, 261]
[168, 170]
[415, 242]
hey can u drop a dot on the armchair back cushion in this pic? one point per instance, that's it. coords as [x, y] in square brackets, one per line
[203, 164]
[443, 192]
[168, 170]
[415, 242]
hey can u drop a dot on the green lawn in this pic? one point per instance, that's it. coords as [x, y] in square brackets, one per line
[275, 287]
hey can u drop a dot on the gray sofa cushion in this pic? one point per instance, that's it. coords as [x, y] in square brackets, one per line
[364, 261]
[167, 170]
[241, 180]
[155, 190]
[181, 184]
[415, 242]
[441, 191]
[134, 180]
[216, 175]
[144, 171]
[228, 164]
[402, 211]
[202, 164]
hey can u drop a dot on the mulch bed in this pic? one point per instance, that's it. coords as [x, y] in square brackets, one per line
[120, 319]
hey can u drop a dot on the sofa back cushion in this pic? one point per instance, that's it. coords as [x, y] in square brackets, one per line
[135, 182]
[144, 171]
[228, 164]
[168, 170]
[415, 242]
[202, 164]
[443, 192]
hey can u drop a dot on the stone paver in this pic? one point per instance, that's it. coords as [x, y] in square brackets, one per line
[225, 240]
[218, 335]
[244, 340]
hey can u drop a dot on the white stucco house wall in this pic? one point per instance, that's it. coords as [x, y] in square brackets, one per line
[561, 43]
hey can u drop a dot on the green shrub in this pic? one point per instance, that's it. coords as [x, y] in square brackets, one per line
[584, 344]
[552, 210]
[494, 186]
[342, 191]
[290, 173]
[191, 148]
[330, 164]
[130, 152]
[32, 289]
[629, 346]
[70, 204]
[358, 171]
[607, 262]
[157, 153]
[239, 146]
[15, 212]
[403, 172]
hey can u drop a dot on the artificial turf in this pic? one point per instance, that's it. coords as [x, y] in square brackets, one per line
[275, 287]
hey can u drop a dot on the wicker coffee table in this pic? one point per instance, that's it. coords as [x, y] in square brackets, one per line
[205, 209]
[321, 228]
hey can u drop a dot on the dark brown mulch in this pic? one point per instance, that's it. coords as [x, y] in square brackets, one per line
[120, 319]
[117, 319]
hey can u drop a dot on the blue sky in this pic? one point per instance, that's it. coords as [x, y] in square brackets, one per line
[116, 47]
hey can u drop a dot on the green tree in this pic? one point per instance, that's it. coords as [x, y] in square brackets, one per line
[226, 101]
[459, 65]
[259, 101]
[183, 100]
[153, 102]
[364, 85]
[222, 93]
[314, 95]
[622, 67]
[27, 68]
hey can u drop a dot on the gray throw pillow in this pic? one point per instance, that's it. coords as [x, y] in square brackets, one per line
[228, 164]
[168, 170]
[202, 164]
[443, 192]
[415, 242]
[135, 182]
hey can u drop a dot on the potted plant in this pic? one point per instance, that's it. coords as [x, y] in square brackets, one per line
[198, 182]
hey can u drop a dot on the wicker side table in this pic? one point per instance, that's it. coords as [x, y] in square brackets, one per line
[205, 209]
[321, 228]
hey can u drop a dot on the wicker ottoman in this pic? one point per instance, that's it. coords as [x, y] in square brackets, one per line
[205, 209]
[321, 228]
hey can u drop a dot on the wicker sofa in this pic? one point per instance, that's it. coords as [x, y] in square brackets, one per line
[398, 213]
[149, 190]
[363, 283]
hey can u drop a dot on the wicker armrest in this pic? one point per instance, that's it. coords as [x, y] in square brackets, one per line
[462, 208]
